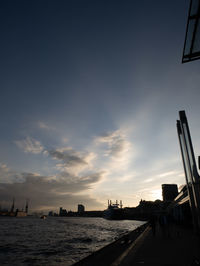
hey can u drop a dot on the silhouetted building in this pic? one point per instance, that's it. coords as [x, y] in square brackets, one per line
[81, 208]
[169, 192]
[62, 212]
[180, 207]
[148, 207]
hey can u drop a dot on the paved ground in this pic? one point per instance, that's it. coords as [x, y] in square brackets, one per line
[178, 246]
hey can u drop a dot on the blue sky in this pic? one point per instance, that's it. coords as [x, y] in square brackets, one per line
[90, 94]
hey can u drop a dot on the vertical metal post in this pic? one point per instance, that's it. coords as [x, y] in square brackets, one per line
[189, 187]
[192, 176]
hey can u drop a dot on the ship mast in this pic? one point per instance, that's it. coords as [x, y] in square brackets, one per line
[26, 208]
[13, 206]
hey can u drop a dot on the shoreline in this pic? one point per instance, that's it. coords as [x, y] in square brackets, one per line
[114, 252]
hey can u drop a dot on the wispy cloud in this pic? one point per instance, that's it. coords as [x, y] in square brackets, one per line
[148, 180]
[125, 178]
[71, 160]
[43, 125]
[116, 143]
[30, 145]
[167, 174]
[68, 156]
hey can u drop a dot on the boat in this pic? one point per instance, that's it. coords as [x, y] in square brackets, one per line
[15, 213]
[20, 213]
[114, 211]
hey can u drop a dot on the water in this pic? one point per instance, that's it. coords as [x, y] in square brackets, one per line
[56, 240]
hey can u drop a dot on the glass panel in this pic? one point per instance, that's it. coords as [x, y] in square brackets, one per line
[194, 7]
[186, 161]
[189, 148]
[189, 36]
[196, 47]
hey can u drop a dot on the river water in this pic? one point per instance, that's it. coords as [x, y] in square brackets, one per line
[56, 240]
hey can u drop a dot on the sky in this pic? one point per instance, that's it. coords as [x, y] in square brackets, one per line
[90, 95]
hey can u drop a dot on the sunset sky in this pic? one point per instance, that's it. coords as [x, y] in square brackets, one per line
[90, 94]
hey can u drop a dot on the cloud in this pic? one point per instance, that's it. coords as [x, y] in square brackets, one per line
[69, 159]
[46, 192]
[5, 173]
[30, 145]
[72, 161]
[43, 125]
[167, 174]
[150, 193]
[65, 140]
[125, 177]
[72, 183]
[3, 167]
[9, 176]
[116, 143]
[68, 156]
[68, 187]
[148, 180]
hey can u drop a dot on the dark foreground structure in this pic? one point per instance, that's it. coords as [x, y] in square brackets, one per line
[180, 248]
[192, 176]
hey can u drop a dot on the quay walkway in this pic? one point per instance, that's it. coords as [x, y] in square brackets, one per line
[178, 246]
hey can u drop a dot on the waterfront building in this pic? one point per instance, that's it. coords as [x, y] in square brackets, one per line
[81, 208]
[169, 192]
[180, 207]
[62, 212]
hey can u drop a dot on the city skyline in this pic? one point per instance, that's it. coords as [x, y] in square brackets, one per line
[90, 95]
